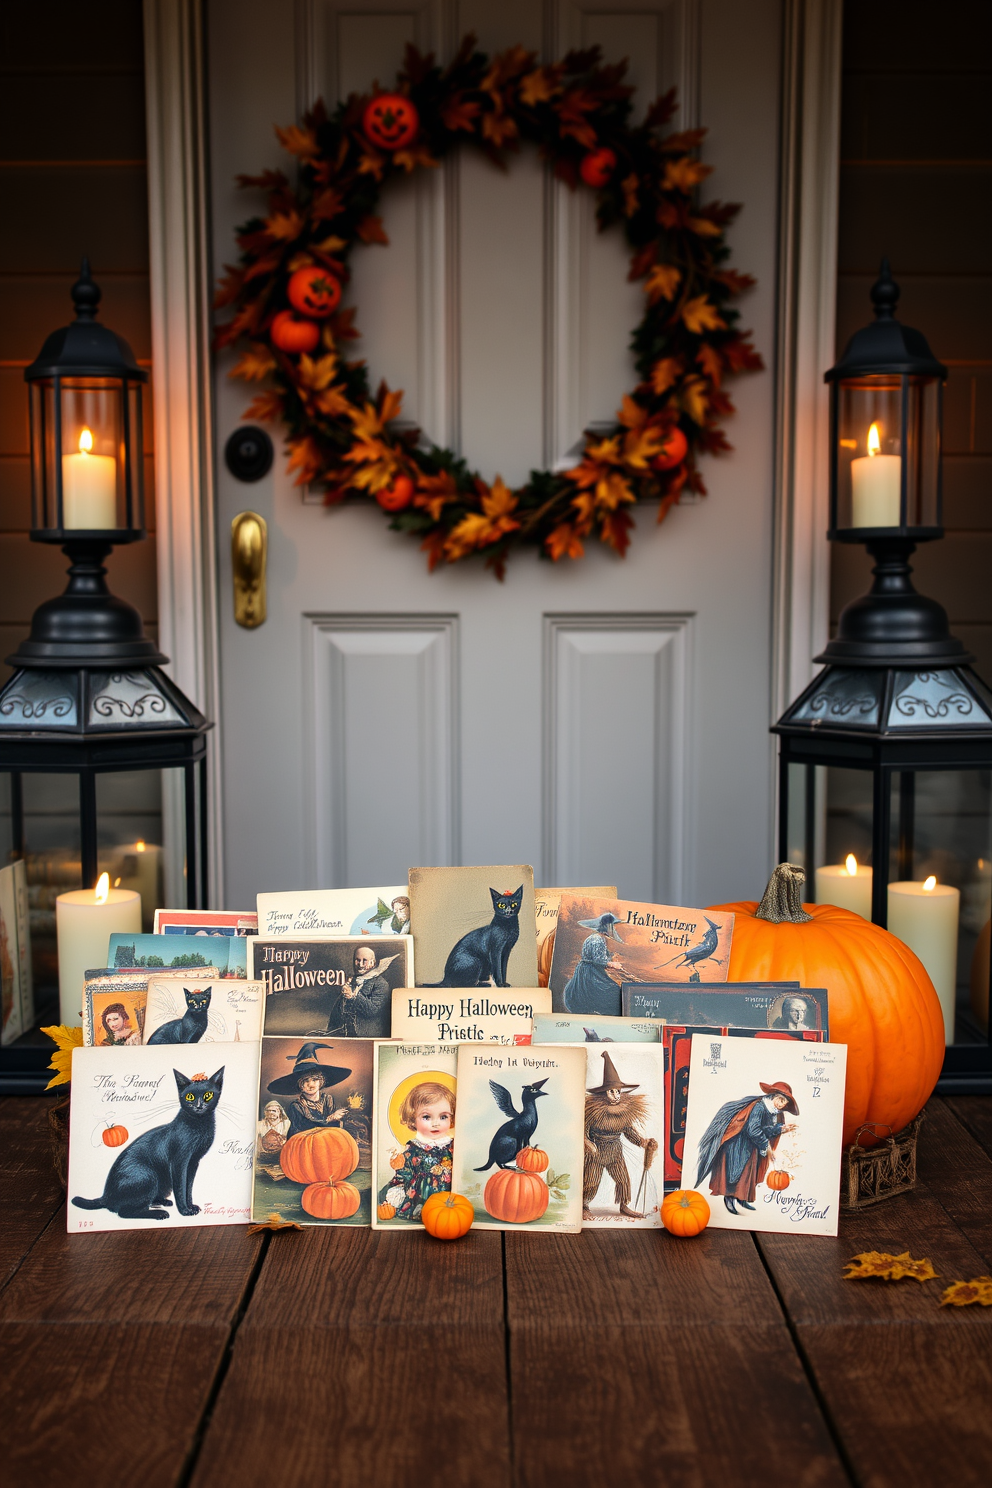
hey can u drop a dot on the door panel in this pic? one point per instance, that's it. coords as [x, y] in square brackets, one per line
[602, 720]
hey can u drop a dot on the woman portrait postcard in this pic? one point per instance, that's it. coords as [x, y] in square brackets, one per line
[313, 1131]
[414, 1104]
[188, 1010]
[763, 1132]
[474, 927]
[519, 1148]
[161, 1137]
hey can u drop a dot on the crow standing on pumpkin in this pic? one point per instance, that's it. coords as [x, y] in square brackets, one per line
[701, 952]
[516, 1133]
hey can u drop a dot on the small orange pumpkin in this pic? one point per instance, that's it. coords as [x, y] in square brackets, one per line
[292, 334]
[531, 1160]
[324, 1154]
[397, 496]
[331, 1200]
[313, 291]
[115, 1136]
[673, 451]
[391, 121]
[685, 1213]
[882, 1004]
[597, 167]
[447, 1216]
[777, 1179]
[397, 1160]
[385, 1211]
[515, 1197]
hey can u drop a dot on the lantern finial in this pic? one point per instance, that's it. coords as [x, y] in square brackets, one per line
[86, 295]
[885, 293]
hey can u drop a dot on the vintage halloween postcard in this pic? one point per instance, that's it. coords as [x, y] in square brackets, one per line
[622, 1184]
[677, 1042]
[465, 1015]
[568, 1028]
[519, 1148]
[225, 953]
[186, 1010]
[546, 903]
[204, 922]
[114, 1002]
[414, 1128]
[763, 1132]
[161, 1135]
[602, 943]
[474, 927]
[784, 1006]
[340, 987]
[313, 1131]
[318, 913]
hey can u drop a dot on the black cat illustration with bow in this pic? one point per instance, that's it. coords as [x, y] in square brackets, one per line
[190, 1028]
[481, 956]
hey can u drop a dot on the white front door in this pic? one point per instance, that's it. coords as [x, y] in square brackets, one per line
[604, 720]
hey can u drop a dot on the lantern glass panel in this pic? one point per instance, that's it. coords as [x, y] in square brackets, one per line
[888, 438]
[87, 460]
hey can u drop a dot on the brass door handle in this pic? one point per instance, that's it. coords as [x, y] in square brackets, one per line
[249, 541]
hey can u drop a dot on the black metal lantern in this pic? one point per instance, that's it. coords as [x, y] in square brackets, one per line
[885, 760]
[87, 698]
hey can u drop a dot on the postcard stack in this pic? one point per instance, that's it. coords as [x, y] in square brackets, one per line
[560, 1057]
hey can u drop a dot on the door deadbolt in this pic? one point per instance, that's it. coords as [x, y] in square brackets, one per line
[249, 540]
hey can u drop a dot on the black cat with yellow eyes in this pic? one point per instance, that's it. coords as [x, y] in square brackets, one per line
[165, 1160]
[480, 958]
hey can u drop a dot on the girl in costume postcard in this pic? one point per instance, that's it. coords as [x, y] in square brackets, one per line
[763, 1132]
[414, 1106]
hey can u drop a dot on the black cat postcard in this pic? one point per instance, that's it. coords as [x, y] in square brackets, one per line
[574, 1028]
[467, 1015]
[114, 1003]
[340, 987]
[313, 1131]
[519, 1146]
[784, 1006]
[161, 1137]
[317, 913]
[601, 943]
[763, 1132]
[474, 927]
[414, 1111]
[185, 1010]
[546, 903]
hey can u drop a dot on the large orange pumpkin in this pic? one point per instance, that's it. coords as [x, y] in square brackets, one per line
[778, 1178]
[685, 1212]
[447, 1216]
[114, 1136]
[882, 1004]
[331, 1200]
[323, 1155]
[291, 333]
[515, 1197]
[313, 291]
[531, 1160]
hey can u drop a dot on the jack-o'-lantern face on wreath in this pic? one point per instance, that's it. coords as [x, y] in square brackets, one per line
[391, 121]
[314, 291]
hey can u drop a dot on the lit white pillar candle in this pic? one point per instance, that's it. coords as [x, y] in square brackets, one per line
[925, 917]
[847, 885]
[138, 865]
[89, 487]
[875, 483]
[85, 919]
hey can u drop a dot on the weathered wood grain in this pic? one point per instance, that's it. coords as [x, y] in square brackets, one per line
[975, 1113]
[366, 1357]
[957, 1170]
[642, 1359]
[29, 1190]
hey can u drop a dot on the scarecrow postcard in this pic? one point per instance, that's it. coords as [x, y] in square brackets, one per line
[475, 927]
[624, 1134]
[313, 1131]
[519, 1148]
[763, 1132]
[414, 1104]
[602, 943]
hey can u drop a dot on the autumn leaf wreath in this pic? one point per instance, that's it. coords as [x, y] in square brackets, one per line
[286, 292]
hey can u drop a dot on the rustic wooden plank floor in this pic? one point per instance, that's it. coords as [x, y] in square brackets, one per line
[343, 1357]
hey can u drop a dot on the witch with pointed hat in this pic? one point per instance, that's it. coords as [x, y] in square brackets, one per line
[313, 1105]
[613, 1112]
[738, 1146]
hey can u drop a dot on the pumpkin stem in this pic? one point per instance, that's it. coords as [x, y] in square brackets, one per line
[782, 901]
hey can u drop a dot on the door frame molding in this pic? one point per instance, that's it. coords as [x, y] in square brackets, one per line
[179, 251]
[175, 80]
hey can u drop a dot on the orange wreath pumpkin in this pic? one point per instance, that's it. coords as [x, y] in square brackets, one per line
[322, 1155]
[331, 1200]
[447, 1216]
[685, 1213]
[882, 1004]
[514, 1197]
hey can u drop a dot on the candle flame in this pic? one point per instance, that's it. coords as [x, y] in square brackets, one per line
[851, 864]
[139, 846]
[85, 442]
[117, 883]
[874, 443]
[930, 883]
[102, 890]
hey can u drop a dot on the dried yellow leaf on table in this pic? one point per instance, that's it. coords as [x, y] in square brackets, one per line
[964, 1293]
[275, 1221]
[886, 1267]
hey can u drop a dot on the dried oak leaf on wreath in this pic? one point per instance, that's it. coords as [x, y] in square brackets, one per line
[886, 1267]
